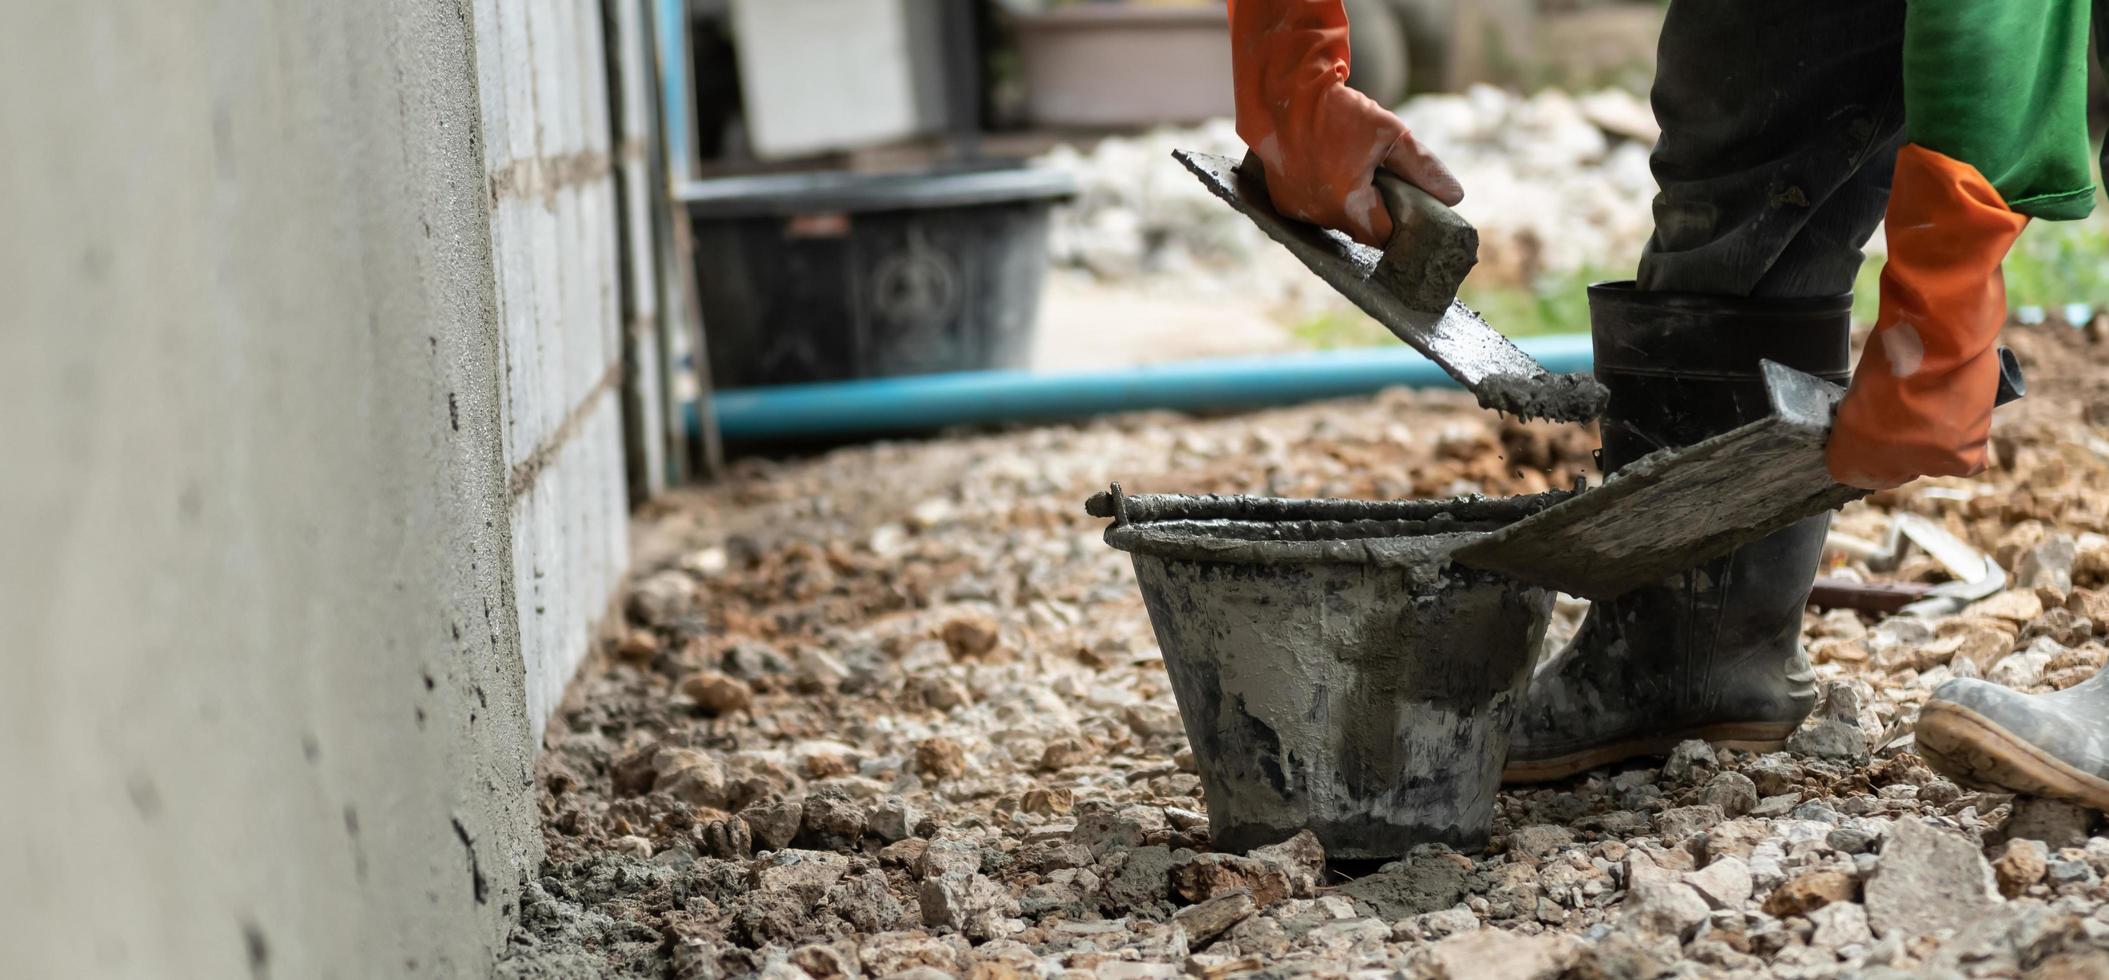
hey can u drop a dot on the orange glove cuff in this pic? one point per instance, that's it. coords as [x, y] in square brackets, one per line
[1320, 141]
[1921, 399]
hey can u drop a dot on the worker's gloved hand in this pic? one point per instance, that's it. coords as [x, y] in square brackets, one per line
[1921, 399]
[1320, 141]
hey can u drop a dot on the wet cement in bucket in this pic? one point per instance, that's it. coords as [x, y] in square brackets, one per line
[1334, 670]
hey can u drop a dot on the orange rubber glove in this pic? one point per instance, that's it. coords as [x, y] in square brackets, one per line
[1921, 399]
[1320, 141]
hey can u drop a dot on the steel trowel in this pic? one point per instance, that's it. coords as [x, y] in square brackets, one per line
[1410, 286]
[1675, 509]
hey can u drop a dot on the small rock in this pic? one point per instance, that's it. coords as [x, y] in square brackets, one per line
[1809, 891]
[940, 758]
[1833, 732]
[1105, 827]
[823, 962]
[2048, 565]
[1435, 925]
[728, 839]
[1851, 840]
[904, 853]
[1539, 840]
[1724, 883]
[1658, 903]
[1735, 838]
[1301, 858]
[2062, 626]
[717, 694]
[944, 692]
[1840, 924]
[1063, 753]
[1734, 793]
[973, 904]
[693, 777]
[948, 857]
[663, 598]
[2070, 872]
[1217, 966]
[831, 821]
[809, 874]
[2091, 605]
[2056, 823]
[774, 824]
[1144, 879]
[893, 819]
[1940, 792]
[2022, 864]
[1152, 720]
[2016, 606]
[1497, 954]
[1898, 633]
[1048, 801]
[1207, 876]
[2023, 670]
[632, 845]
[637, 646]
[1775, 777]
[969, 635]
[818, 671]
[1928, 880]
[750, 661]
[1817, 811]
[1212, 918]
[897, 953]
[1679, 823]
[1687, 760]
[1772, 807]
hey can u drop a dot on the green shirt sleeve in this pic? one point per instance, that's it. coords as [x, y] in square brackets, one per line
[2002, 85]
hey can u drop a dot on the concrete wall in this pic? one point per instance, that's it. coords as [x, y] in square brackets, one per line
[261, 688]
[549, 151]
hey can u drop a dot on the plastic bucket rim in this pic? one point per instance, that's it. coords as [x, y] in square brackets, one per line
[1450, 524]
[813, 192]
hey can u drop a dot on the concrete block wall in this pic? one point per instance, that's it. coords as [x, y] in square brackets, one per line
[312, 476]
[548, 148]
[262, 700]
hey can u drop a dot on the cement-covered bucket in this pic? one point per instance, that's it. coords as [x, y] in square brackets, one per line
[1333, 669]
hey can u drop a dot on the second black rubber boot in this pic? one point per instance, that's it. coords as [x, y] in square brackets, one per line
[1713, 653]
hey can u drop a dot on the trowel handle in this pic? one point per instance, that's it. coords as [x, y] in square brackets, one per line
[2012, 384]
[1432, 247]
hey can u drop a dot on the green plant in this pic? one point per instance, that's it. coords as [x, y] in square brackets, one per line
[1554, 303]
[2053, 263]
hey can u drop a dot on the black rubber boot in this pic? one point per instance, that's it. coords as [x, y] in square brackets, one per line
[1713, 653]
[2054, 745]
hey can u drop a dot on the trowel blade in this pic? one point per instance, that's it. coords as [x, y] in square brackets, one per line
[1675, 509]
[1424, 314]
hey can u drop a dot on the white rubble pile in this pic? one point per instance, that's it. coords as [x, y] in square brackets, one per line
[1553, 182]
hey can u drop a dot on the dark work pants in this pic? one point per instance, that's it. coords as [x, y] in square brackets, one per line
[1781, 120]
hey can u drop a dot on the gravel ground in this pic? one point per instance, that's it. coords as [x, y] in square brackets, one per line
[896, 710]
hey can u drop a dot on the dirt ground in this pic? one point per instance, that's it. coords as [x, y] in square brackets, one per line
[897, 710]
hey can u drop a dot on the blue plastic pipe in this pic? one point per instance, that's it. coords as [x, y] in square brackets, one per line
[932, 401]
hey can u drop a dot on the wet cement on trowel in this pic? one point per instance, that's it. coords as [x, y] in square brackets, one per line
[1553, 397]
[1410, 288]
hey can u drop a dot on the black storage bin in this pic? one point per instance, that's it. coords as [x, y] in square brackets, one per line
[833, 276]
